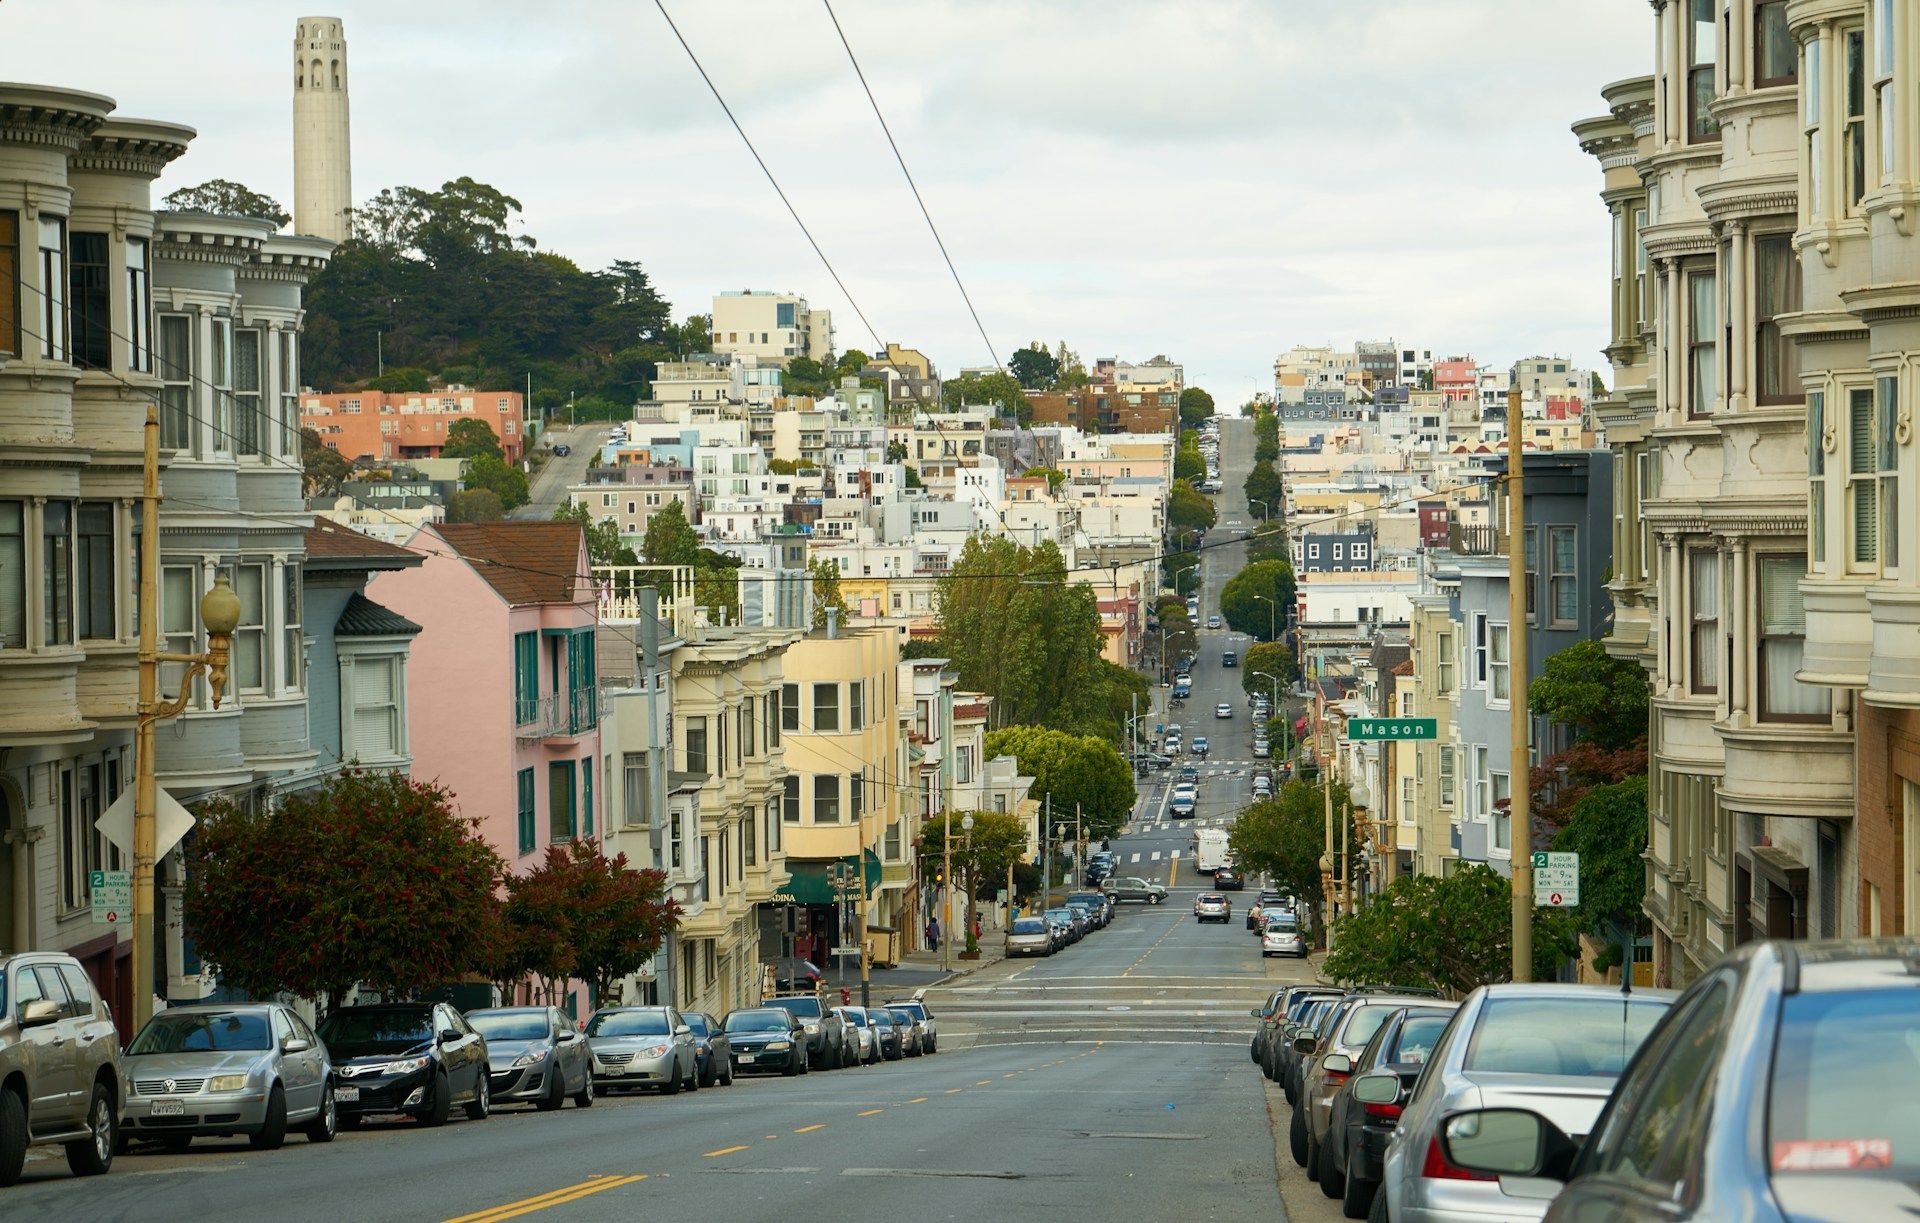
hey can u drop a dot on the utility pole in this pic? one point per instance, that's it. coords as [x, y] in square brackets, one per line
[946, 890]
[1520, 757]
[1046, 856]
[1079, 846]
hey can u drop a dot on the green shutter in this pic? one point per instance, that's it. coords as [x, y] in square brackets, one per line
[586, 796]
[525, 779]
[526, 677]
[1862, 461]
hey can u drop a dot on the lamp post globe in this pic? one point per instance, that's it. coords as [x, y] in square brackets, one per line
[220, 608]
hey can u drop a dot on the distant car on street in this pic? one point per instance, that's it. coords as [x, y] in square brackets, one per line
[1135, 888]
[1223, 710]
[1213, 622]
[1212, 906]
[561, 450]
[1229, 658]
[1199, 745]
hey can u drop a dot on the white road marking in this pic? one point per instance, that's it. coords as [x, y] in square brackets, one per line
[1133, 859]
[1172, 857]
[1155, 857]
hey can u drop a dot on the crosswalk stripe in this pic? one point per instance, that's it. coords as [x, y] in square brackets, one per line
[1155, 857]
[1174, 856]
[1133, 859]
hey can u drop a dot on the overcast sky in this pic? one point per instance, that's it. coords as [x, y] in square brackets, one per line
[1212, 179]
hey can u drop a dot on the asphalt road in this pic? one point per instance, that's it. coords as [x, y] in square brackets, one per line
[549, 488]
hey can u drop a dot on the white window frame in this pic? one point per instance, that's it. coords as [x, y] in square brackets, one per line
[356, 652]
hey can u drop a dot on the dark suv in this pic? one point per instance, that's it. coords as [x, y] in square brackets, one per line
[417, 1058]
[826, 1031]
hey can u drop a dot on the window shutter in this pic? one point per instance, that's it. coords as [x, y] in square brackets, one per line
[1862, 460]
[1781, 611]
[374, 709]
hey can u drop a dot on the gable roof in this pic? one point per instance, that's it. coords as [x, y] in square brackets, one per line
[524, 562]
[332, 546]
[362, 617]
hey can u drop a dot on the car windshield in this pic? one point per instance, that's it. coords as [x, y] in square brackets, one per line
[805, 1008]
[363, 1033]
[1417, 1038]
[203, 1032]
[1575, 1037]
[1363, 1023]
[1282, 921]
[1835, 1053]
[757, 1021]
[1085, 898]
[853, 1015]
[906, 1017]
[916, 1009]
[511, 1025]
[1029, 925]
[699, 1025]
[628, 1023]
[1060, 914]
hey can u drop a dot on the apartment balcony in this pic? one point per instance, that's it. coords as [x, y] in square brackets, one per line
[1464, 540]
[558, 715]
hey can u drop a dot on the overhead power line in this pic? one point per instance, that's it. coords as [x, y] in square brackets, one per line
[761, 161]
[992, 352]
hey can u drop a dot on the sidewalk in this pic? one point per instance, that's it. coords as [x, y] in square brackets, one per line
[918, 970]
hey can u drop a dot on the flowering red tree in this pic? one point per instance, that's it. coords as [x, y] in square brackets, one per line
[368, 879]
[580, 914]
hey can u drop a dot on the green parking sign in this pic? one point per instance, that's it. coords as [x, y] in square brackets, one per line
[1393, 728]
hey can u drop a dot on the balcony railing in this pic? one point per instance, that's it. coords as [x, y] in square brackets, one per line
[1465, 540]
[559, 714]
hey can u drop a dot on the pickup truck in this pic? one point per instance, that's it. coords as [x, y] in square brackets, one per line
[826, 1031]
[1136, 889]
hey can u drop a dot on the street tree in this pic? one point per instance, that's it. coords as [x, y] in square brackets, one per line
[604, 544]
[1195, 406]
[1071, 773]
[1188, 463]
[980, 856]
[582, 915]
[1255, 600]
[1264, 490]
[226, 198]
[369, 878]
[1264, 659]
[825, 576]
[1603, 699]
[322, 466]
[670, 538]
[475, 505]
[1453, 933]
[471, 437]
[1285, 836]
[1188, 510]
[1607, 827]
[501, 478]
[1036, 368]
[1266, 436]
[1269, 543]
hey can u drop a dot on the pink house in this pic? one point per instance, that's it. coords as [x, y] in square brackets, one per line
[1457, 379]
[503, 705]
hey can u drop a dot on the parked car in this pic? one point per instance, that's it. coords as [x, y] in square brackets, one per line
[1075, 926]
[1814, 1041]
[913, 1040]
[1135, 888]
[1059, 927]
[1030, 936]
[215, 1070]
[1260, 749]
[535, 1055]
[57, 1042]
[643, 1046]
[417, 1058]
[710, 1048]
[826, 1033]
[929, 1027]
[1283, 936]
[1269, 901]
[1262, 788]
[1285, 1054]
[862, 1026]
[1361, 1123]
[1555, 1049]
[767, 1038]
[1212, 906]
[1227, 879]
[561, 450]
[1099, 904]
[1293, 1001]
[795, 974]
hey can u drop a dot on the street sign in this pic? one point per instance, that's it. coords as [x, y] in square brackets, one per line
[1393, 728]
[112, 896]
[1556, 880]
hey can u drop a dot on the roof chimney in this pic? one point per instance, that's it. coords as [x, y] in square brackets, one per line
[833, 623]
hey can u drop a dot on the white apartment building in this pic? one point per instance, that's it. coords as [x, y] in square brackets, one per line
[774, 328]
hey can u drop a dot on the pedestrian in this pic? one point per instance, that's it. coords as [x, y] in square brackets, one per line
[933, 934]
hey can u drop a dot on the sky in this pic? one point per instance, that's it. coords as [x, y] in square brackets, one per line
[1214, 180]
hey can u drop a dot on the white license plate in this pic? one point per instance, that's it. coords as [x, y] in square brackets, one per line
[617, 1071]
[349, 1094]
[746, 1057]
[165, 1108]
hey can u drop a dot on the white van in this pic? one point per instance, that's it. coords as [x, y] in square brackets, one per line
[1210, 850]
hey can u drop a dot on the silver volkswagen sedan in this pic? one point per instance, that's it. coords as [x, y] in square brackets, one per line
[219, 1069]
[535, 1056]
[643, 1046]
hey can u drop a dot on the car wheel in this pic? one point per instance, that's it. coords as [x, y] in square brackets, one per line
[1358, 1195]
[1315, 1156]
[729, 1079]
[584, 1097]
[93, 1155]
[481, 1106]
[673, 1084]
[793, 1065]
[712, 1074]
[693, 1074]
[556, 1093]
[1333, 1182]
[13, 1137]
[1377, 1213]
[1297, 1138]
[806, 1060]
[324, 1126]
[440, 1105]
[272, 1134]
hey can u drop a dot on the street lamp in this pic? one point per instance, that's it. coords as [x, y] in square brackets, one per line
[220, 613]
[1265, 506]
[1286, 725]
[1273, 616]
[966, 828]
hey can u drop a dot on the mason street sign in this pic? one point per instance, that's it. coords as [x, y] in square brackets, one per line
[1393, 728]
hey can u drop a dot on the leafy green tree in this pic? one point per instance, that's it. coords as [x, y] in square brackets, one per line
[1244, 601]
[851, 361]
[1189, 464]
[370, 877]
[1173, 564]
[1285, 836]
[1188, 509]
[1052, 475]
[1264, 490]
[1602, 698]
[1001, 391]
[604, 544]
[322, 467]
[806, 376]
[226, 198]
[1453, 933]
[1269, 543]
[670, 538]
[470, 437]
[694, 335]
[825, 576]
[1071, 772]
[475, 505]
[1036, 368]
[896, 452]
[981, 856]
[1263, 659]
[1195, 406]
[403, 379]
[503, 480]
[1608, 829]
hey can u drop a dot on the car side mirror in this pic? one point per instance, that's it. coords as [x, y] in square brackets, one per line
[449, 1035]
[1303, 1044]
[39, 1013]
[1337, 1063]
[1376, 1088]
[1507, 1142]
[1257, 1013]
[293, 1044]
[682, 1030]
[568, 1036]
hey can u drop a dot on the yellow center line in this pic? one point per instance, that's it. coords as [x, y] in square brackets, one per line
[1009, 1074]
[918, 1100]
[808, 1129]
[873, 1112]
[557, 1197]
[724, 1151]
[984, 1083]
[953, 1090]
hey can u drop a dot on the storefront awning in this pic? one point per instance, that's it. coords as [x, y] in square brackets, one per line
[810, 884]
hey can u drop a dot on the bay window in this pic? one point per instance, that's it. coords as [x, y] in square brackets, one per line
[1887, 446]
[1499, 661]
[1853, 142]
[826, 798]
[1813, 137]
[376, 726]
[636, 804]
[293, 644]
[53, 288]
[9, 282]
[289, 394]
[176, 377]
[139, 308]
[1563, 581]
[826, 709]
[1446, 774]
[1703, 356]
[1703, 28]
[1776, 292]
[94, 567]
[219, 375]
[1773, 50]
[790, 799]
[179, 610]
[1704, 609]
[252, 425]
[1783, 641]
[250, 635]
[1883, 93]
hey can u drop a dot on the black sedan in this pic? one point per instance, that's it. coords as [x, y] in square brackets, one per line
[1357, 1136]
[766, 1038]
[713, 1047]
[1227, 879]
[417, 1058]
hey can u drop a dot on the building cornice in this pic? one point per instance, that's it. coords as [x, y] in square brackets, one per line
[53, 118]
[1748, 198]
[138, 147]
[1678, 241]
[1822, 326]
[1883, 303]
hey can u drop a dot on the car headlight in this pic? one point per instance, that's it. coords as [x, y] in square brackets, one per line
[227, 1082]
[652, 1051]
[532, 1057]
[407, 1065]
[812, 1028]
[779, 1046]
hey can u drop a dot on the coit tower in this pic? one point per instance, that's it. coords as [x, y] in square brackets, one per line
[322, 156]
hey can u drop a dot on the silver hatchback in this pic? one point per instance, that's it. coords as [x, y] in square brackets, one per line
[218, 1069]
[643, 1046]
